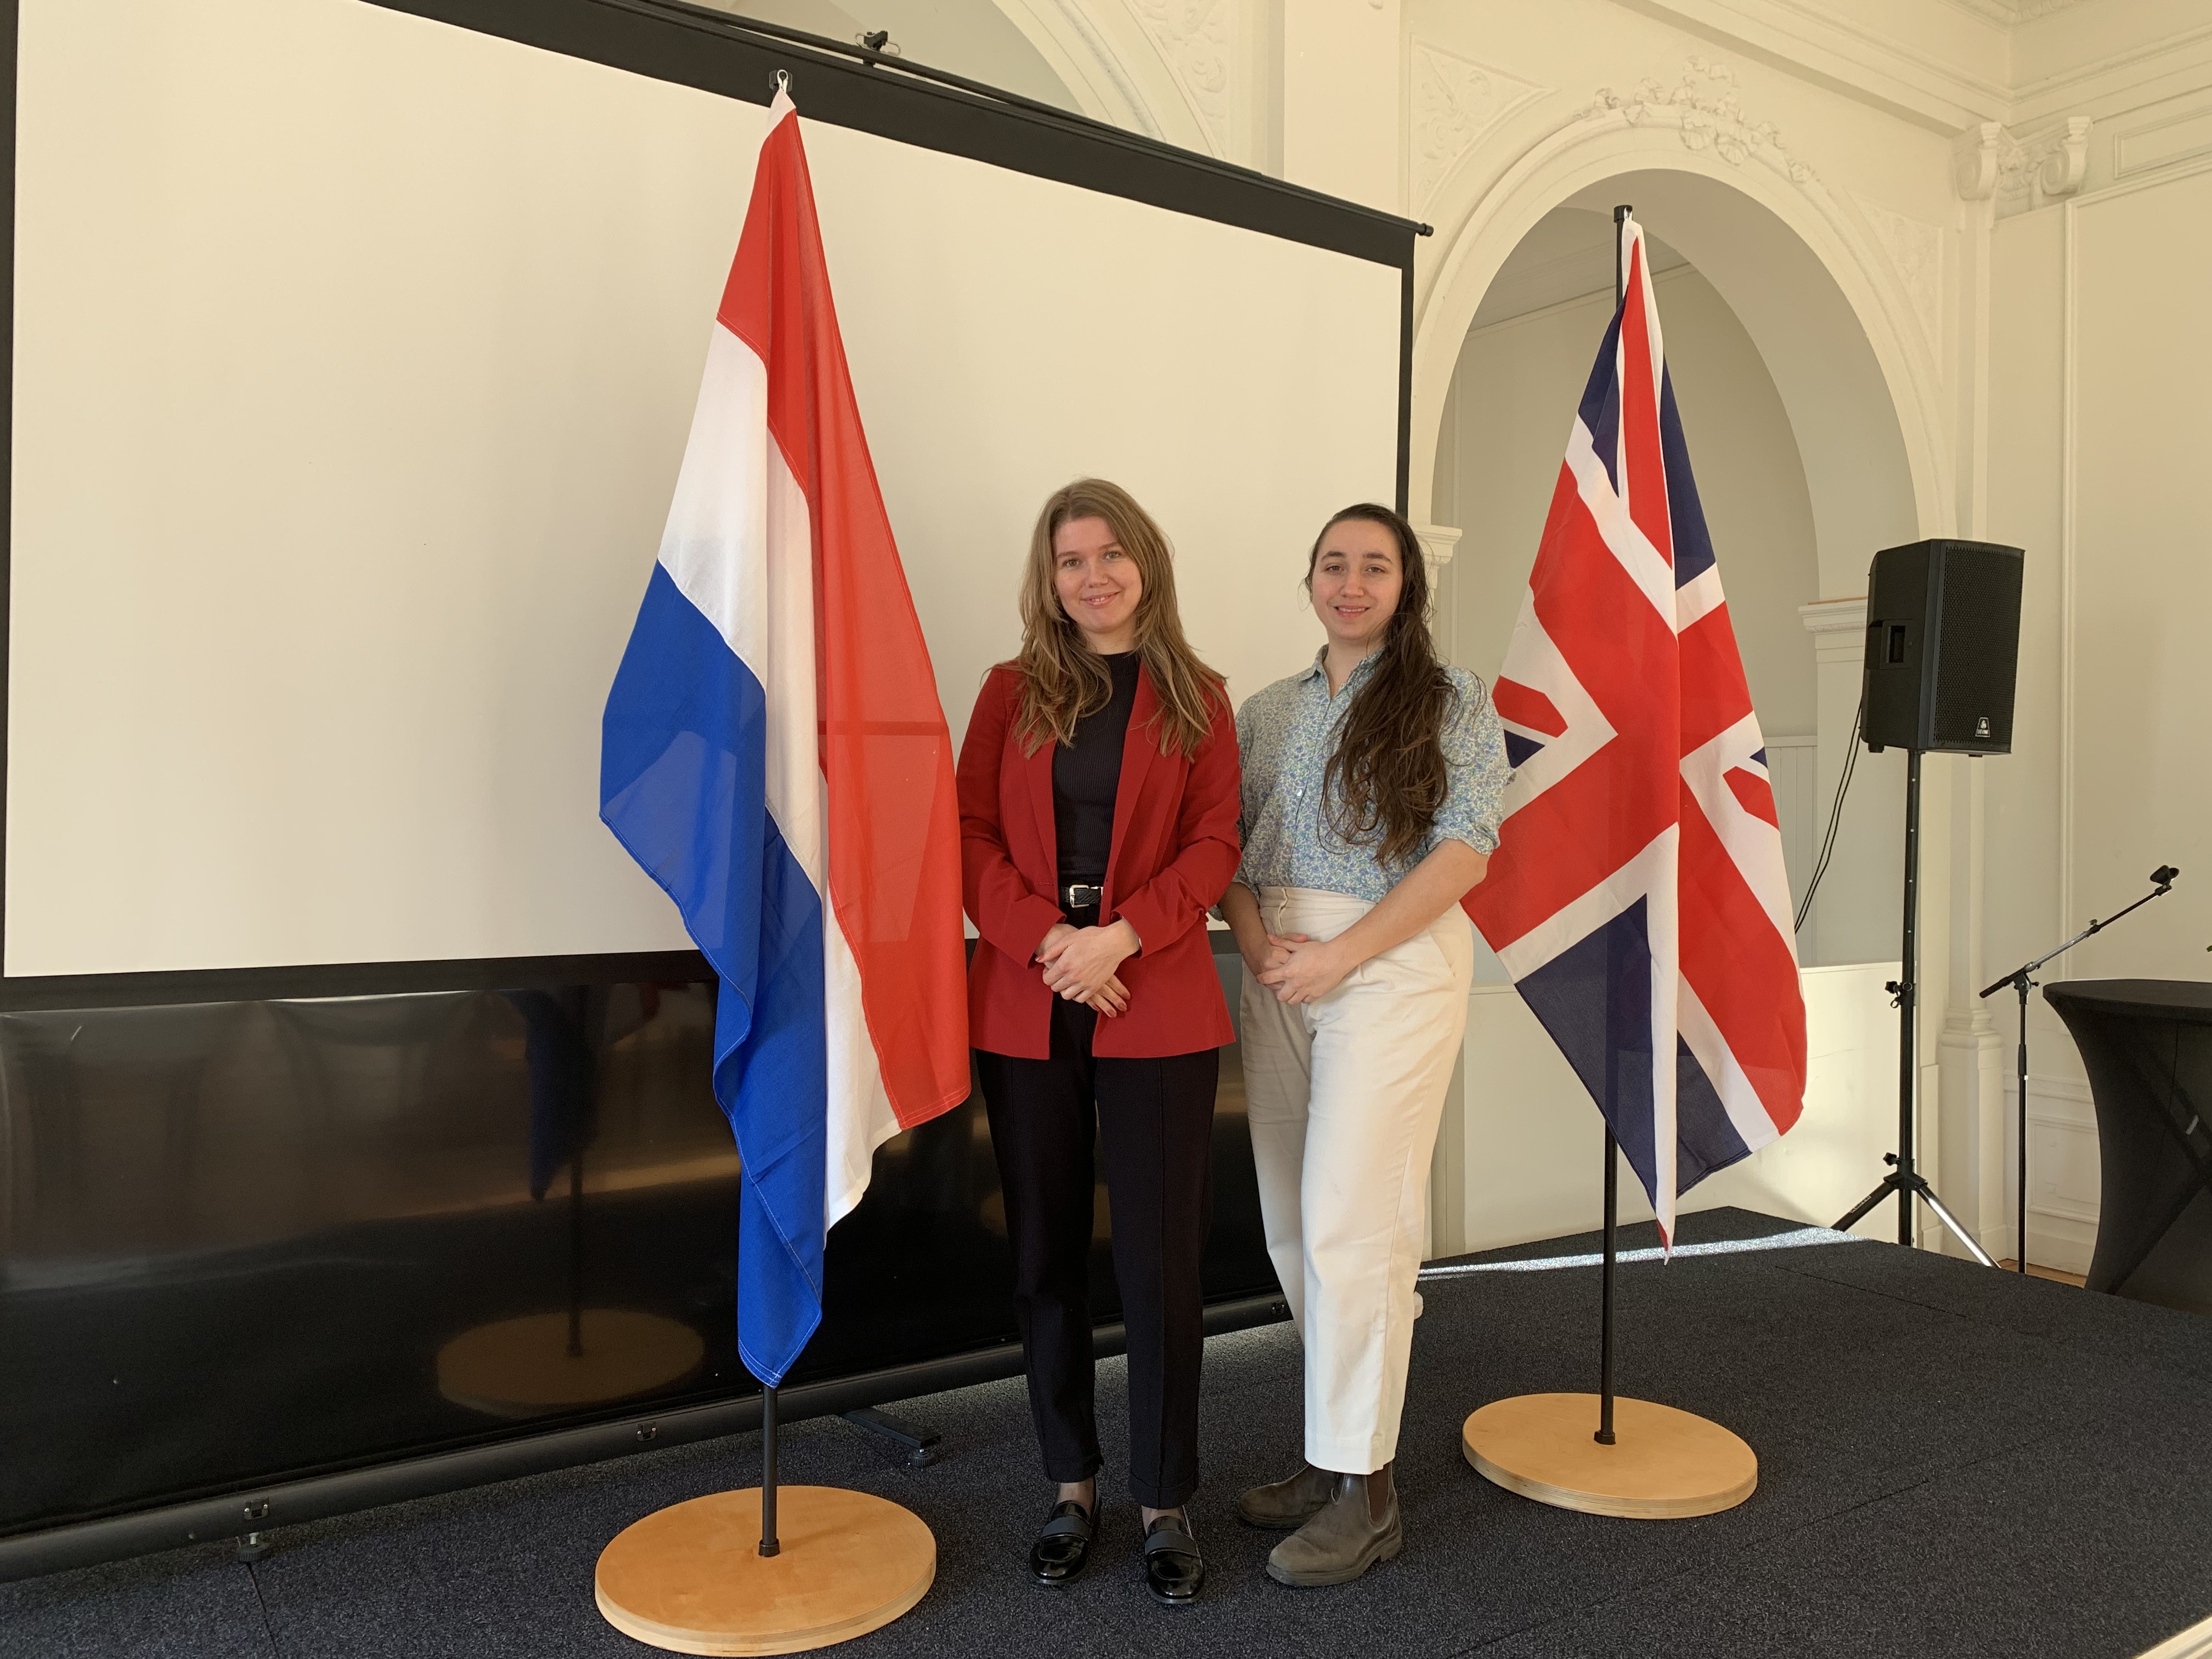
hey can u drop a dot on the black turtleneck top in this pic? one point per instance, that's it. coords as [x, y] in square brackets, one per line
[1085, 773]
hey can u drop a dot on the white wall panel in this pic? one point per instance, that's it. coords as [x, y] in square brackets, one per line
[2141, 678]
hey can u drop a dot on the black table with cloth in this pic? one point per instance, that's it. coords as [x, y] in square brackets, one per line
[2146, 1045]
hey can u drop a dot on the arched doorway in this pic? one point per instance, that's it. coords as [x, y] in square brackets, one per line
[1521, 372]
[1849, 361]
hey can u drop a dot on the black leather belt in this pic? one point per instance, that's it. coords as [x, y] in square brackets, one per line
[1082, 896]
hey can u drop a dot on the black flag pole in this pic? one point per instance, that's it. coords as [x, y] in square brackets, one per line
[1621, 216]
[768, 1546]
[1604, 1436]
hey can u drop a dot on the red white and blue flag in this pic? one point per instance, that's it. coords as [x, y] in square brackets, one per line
[1637, 896]
[775, 755]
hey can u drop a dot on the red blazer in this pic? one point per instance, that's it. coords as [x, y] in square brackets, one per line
[1175, 849]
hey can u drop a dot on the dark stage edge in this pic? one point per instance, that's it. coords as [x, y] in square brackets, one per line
[1954, 1461]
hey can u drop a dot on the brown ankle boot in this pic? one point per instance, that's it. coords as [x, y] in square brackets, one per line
[1283, 1505]
[1356, 1529]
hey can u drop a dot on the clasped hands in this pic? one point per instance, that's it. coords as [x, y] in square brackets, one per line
[1299, 968]
[1079, 963]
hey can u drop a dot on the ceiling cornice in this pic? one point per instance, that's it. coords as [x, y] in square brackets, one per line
[2011, 12]
[1818, 41]
[1811, 40]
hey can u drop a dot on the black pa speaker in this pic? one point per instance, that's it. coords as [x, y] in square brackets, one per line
[1943, 647]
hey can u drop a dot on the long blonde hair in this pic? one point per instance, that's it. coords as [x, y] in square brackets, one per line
[1062, 678]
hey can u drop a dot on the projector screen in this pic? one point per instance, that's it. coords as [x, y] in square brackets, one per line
[354, 357]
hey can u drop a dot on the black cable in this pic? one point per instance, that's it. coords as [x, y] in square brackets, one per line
[1835, 817]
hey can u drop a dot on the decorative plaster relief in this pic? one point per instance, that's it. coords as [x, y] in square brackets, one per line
[1198, 37]
[1916, 248]
[1456, 101]
[1704, 107]
[2065, 159]
[2044, 166]
[1077, 29]
[1977, 159]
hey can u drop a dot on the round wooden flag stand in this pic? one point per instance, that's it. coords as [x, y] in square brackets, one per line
[1606, 1456]
[1664, 1463]
[768, 1570]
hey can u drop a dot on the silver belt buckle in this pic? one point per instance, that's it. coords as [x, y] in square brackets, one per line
[1081, 897]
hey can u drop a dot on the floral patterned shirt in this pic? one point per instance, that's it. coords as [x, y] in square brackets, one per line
[1285, 734]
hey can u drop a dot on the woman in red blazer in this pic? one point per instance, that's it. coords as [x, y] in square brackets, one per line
[1098, 806]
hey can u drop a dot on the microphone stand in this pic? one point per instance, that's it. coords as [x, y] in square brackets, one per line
[2020, 979]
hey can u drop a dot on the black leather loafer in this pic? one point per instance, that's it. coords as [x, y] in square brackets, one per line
[1173, 1569]
[1063, 1544]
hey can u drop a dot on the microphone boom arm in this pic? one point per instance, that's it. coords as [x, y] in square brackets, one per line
[2163, 876]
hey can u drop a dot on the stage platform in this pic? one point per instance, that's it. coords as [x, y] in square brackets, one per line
[1954, 1461]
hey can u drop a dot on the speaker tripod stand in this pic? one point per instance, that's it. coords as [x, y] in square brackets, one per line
[1904, 1181]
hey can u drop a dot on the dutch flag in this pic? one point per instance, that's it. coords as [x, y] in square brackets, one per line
[775, 755]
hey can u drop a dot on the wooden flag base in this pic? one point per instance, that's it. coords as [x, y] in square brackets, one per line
[523, 1368]
[691, 1578]
[1664, 1464]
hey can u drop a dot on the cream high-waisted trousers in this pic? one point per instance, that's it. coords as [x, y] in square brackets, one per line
[1345, 1096]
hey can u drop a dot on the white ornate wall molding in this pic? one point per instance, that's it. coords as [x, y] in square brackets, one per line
[1071, 41]
[2166, 140]
[2022, 171]
[1916, 249]
[2065, 159]
[1456, 101]
[2043, 167]
[1940, 77]
[1496, 195]
[1439, 542]
[1837, 628]
[2013, 11]
[1704, 107]
[1978, 159]
[1198, 39]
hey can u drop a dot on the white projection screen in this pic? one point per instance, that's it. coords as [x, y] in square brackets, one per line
[354, 356]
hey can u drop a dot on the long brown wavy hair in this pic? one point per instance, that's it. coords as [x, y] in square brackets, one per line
[1386, 779]
[1062, 678]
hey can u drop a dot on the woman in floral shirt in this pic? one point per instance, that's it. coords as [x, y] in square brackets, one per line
[1370, 794]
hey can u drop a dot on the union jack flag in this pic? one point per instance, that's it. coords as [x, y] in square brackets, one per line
[1637, 896]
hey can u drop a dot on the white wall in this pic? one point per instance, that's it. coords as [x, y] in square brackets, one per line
[2099, 433]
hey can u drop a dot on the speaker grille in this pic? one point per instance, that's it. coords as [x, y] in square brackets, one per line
[1977, 652]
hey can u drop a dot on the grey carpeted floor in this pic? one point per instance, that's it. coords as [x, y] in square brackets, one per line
[1954, 1461]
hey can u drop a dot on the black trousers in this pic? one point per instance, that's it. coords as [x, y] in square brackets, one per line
[1153, 1120]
